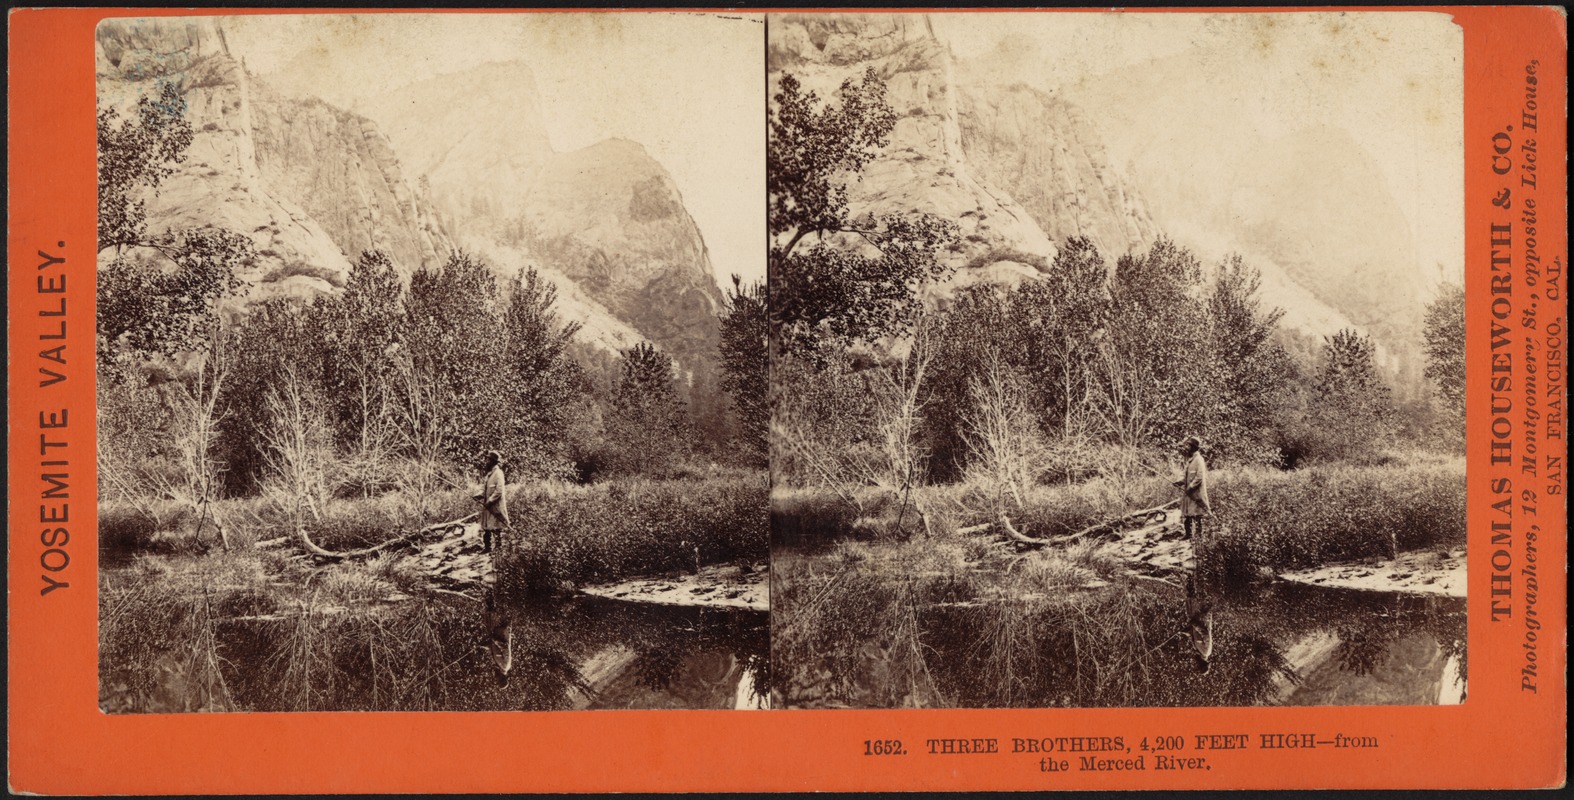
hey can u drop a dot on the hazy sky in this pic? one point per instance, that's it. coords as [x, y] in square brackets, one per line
[687, 86]
[1393, 81]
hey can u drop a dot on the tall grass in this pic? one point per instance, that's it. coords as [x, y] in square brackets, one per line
[1320, 515]
[606, 532]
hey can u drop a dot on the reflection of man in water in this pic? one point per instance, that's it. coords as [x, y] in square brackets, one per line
[493, 500]
[1194, 508]
[499, 638]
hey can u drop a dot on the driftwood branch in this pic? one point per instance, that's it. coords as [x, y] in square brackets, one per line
[1120, 523]
[1019, 537]
[1128, 520]
[317, 550]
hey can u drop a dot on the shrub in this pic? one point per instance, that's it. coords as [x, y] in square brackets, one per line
[1319, 515]
[616, 530]
[123, 529]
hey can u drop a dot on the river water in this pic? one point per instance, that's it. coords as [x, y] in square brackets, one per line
[1276, 644]
[245, 649]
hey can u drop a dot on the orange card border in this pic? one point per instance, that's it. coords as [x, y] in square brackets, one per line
[59, 742]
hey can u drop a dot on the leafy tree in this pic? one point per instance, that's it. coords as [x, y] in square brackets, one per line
[1444, 336]
[542, 387]
[1352, 411]
[745, 363]
[275, 336]
[361, 329]
[136, 155]
[159, 293]
[835, 294]
[813, 149]
[1061, 317]
[1253, 369]
[1156, 380]
[649, 424]
[979, 321]
[455, 338]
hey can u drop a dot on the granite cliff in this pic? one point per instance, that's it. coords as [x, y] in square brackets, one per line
[924, 167]
[607, 217]
[459, 161]
[312, 185]
[1022, 167]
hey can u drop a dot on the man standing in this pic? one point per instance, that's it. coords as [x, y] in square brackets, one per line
[1193, 484]
[493, 499]
[1194, 506]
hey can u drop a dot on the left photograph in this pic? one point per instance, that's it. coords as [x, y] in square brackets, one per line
[432, 362]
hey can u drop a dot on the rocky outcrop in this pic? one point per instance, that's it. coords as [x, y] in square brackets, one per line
[606, 217]
[924, 167]
[609, 217]
[311, 185]
[1315, 201]
[1043, 151]
[475, 137]
[305, 146]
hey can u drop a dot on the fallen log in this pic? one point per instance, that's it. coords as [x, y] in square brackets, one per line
[1121, 522]
[317, 550]
[1124, 521]
[1019, 537]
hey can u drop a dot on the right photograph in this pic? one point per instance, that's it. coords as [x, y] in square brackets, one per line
[1117, 359]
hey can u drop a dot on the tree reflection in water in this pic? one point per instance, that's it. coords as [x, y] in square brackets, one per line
[1125, 646]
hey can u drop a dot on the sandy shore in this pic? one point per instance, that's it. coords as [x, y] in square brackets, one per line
[717, 586]
[1416, 572]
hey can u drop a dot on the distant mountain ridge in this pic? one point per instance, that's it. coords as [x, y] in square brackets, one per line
[607, 216]
[456, 161]
[1023, 169]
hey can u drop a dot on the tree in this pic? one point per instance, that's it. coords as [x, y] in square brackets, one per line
[275, 336]
[981, 319]
[648, 426]
[836, 293]
[1352, 411]
[745, 364]
[160, 292]
[1444, 335]
[542, 387]
[813, 149]
[455, 337]
[1156, 382]
[1062, 316]
[134, 155]
[360, 329]
[1253, 369]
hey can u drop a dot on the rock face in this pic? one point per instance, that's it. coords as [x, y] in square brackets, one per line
[606, 217]
[1307, 204]
[466, 163]
[374, 207]
[311, 185]
[476, 138]
[1300, 197]
[1043, 151]
[925, 166]
[610, 217]
[1023, 168]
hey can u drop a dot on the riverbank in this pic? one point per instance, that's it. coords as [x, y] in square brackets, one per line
[273, 624]
[1073, 601]
[716, 586]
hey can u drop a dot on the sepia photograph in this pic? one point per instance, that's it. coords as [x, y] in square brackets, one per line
[432, 362]
[1117, 360]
